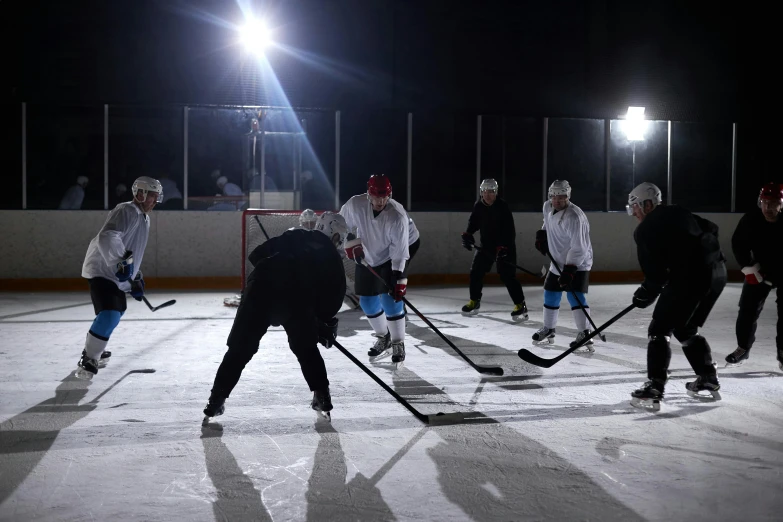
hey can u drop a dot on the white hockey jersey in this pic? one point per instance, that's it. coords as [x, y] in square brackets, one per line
[384, 237]
[568, 236]
[127, 228]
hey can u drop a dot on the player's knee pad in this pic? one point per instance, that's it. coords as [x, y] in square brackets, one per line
[105, 323]
[552, 299]
[371, 304]
[391, 307]
[572, 300]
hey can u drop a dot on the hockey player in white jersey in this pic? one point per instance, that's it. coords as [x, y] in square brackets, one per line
[566, 236]
[384, 242]
[112, 268]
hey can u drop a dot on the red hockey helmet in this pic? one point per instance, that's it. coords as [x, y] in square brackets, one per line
[379, 186]
[771, 191]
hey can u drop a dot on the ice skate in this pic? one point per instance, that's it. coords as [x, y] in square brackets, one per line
[737, 357]
[704, 383]
[322, 404]
[544, 335]
[471, 308]
[398, 349]
[585, 348]
[103, 360]
[519, 313]
[87, 368]
[233, 301]
[780, 359]
[215, 407]
[381, 349]
[649, 396]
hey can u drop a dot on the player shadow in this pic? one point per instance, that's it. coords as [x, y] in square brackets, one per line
[329, 497]
[236, 496]
[492, 472]
[26, 437]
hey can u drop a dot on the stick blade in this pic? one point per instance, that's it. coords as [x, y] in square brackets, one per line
[164, 305]
[531, 358]
[490, 370]
[440, 419]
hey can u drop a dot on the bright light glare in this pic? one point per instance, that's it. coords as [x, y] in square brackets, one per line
[635, 125]
[255, 35]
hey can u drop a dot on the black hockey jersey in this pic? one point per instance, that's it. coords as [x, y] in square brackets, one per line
[495, 223]
[756, 240]
[675, 246]
[302, 269]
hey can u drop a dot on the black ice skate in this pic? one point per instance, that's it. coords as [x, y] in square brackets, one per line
[398, 353]
[322, 403]
[381, 349]
[471, 308]
[649, 396]
[737, 357]
[585, 348]
[86, 368]
[544, 335]
[215, 407]
[704, 383]
[519, 313]
[103, 360]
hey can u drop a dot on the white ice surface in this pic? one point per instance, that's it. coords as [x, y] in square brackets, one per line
[559, 443]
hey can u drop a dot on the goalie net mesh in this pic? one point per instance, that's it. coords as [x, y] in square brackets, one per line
[258, 224]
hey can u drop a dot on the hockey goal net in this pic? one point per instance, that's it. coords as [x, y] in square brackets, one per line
[260, 225]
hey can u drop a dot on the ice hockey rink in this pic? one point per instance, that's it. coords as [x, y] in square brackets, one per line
[558, 444]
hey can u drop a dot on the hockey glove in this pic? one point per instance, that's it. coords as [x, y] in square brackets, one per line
[643, 298]
[753, 274]
[137, 288]
[566, 276]
[125, 267]
[327, 332]
[468, 241]
[542, 245]
[502, 252]
[354, 250]
[399, 285]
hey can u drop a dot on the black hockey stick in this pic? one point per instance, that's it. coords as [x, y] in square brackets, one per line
[529, 357]
[581, 305]
[540, 275]
[262, 226]
[491, 370]
[438, 418]
[156, 308]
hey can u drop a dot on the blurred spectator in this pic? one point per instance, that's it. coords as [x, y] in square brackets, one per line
[172, 197]
[74, 196]
[227, 188]
[254, 181]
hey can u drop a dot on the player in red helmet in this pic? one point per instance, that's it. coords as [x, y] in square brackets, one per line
[386, 239]
[758, 247]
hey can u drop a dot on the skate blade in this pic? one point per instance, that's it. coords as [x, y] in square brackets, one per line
[381, 356]
[585, 349]
[734, 365]
[324, 415]
[102, 363]
[519, 318]
[398, 365]
[646, 404]
[469, 314]
[83, 374]
[548, 340]
[713, 395]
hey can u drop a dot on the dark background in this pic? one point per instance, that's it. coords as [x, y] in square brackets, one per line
[513, 62]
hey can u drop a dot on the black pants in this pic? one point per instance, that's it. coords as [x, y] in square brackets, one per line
[259, 309]
[751, 304]
[682, 308]
[366, 284]
[482, 263]
[106, 295]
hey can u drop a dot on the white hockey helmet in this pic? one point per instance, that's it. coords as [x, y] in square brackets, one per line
[559, 188]
[331, 223]
[643, 192]
[489, 184]
[307, 219]
[146, 184]
[82, 181]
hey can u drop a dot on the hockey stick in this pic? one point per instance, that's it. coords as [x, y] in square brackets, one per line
[491, 370]
[529, 357]
[540, 275]
[571, 289]
[262, 226]
[438, 418]
[156, 308]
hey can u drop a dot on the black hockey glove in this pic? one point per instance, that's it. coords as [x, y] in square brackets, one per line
[125, 267]
[137, 288]
[468, 241]
[643, 298]
[566, 276]
[327, 332]
[542, 245]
